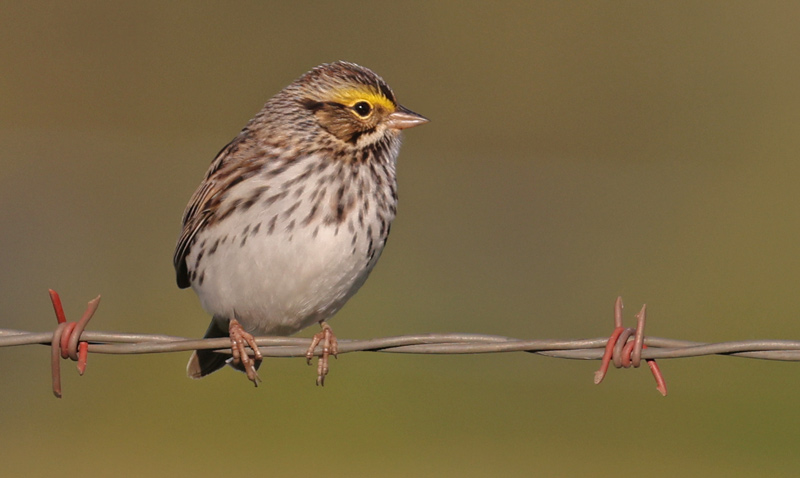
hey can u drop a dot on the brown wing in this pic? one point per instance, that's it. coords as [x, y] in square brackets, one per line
[232, 164]
[198, 212]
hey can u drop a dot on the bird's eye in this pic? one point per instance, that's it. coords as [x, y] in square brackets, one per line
[362, 108]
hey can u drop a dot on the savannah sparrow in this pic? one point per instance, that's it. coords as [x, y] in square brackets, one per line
[293, 214]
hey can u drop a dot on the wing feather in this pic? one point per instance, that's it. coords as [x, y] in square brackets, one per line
[202, 207]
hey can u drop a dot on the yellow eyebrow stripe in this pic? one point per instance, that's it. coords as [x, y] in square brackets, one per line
[351, 96]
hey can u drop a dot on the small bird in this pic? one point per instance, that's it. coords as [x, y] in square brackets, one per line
[293, 214]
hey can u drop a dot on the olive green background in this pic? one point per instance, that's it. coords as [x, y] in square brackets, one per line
[576, 152]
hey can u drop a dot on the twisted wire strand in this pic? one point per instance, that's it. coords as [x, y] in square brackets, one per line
[450, 344]
[625, 347]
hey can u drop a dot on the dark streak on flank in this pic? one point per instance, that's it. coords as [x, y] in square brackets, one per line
[247, 204]
[271, 173]
[199, 256]
[311, 215]
[339, 213]
[340, 204]
[288, 213]
[233, 207]
[275, 197]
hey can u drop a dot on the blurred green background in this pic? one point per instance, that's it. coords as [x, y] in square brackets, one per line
[577, 151]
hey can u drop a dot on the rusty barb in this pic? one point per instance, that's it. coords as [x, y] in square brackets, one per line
[625, 348]
[626, 353]
[66, 339]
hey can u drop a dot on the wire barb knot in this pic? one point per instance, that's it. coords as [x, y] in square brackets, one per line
[626, 353]
[66, 339]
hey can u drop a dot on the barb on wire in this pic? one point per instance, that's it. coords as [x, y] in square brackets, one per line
[625, 353]
[73, 341]
[66, 338]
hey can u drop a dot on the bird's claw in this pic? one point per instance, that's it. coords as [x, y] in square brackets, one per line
[329, 347]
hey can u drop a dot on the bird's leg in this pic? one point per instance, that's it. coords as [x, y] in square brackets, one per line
[329, 347]
[240, 338]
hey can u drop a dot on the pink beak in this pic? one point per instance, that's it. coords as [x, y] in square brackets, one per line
[404, 118]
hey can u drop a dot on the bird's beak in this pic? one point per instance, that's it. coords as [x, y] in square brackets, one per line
[404, 118]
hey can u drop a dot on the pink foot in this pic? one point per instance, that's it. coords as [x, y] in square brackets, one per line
[329, 347]
[239, 339]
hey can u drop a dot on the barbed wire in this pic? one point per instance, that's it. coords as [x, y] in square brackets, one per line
[626, 347]
[452, 343]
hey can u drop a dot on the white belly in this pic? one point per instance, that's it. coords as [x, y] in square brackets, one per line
[277, 285]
